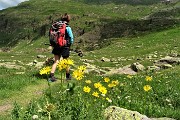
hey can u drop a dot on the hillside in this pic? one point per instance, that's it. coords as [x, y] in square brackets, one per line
[31, 20]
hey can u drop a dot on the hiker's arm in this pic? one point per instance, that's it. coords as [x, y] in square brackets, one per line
[69, 31]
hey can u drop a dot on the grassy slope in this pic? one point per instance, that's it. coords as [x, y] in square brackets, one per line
[25, 21]
[163, 42]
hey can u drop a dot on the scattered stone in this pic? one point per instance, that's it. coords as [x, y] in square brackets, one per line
[164, 65]
[50, 48]
[87, 60]
[30, 64]
[124, 70]
[19, 73]
[41, 56]
[80, 54]
[137, 47]
[153, 68]
[137, 67]
[170, 60]
[174, 55]
[90, 68]
[35, 62]
[103, 59]
[39, 64]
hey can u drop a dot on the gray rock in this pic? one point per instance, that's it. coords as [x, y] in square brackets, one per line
[163, 65]
[117, 113]
[137, 67]
[124, 70]
[170, 60]
[41, 56]
[39, 64]
[153, 68]
[103, 59]
[164, 118]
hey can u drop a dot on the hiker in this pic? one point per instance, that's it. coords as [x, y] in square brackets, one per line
[64, 51]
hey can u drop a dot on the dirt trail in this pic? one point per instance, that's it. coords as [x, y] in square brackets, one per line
[23, 97]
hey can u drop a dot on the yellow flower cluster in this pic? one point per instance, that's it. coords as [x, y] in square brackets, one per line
[82, 68]
[79, 73]
[87, 89]
[95, 94]
[148, 78]
[97, 85]
[100, 89]
[64, 64]
[106, 79]
[147, 87]
[103, 90]
[114, 83]
[45, 70]
[88, 81]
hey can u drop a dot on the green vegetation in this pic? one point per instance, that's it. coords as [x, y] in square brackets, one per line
[132, 38]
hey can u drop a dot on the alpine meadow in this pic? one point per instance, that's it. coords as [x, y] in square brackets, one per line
[124, 62]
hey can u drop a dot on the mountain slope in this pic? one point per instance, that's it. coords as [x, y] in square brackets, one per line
[31, 20]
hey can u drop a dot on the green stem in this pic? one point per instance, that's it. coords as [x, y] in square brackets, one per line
[49, 115]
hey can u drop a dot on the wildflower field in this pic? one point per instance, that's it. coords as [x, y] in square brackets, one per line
[85, 97]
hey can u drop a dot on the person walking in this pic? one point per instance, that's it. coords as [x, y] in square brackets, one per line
[62, 51]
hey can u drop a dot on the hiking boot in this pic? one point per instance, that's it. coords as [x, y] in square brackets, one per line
[52, 79]
[68, 77]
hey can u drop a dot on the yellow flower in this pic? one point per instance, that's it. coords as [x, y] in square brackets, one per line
[97, 85]
[95, 94]
[45, 70]
[148, 78]
[49, 107]
[103, 90]
[106, 79]
[115, 82]
[111, 85]
[64, 64]
[87, 89]
[70, 62]
[130, 76]
[82, 68]
[88, 81]
[78, 75]
[147, 88]
[109, 100]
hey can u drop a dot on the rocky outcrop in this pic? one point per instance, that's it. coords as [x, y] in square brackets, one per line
[137, 67]
[117, 113]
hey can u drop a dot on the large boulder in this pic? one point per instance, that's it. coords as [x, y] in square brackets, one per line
[117, 113]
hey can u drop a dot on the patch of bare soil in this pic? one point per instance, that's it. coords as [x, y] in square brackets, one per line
[5, 107]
